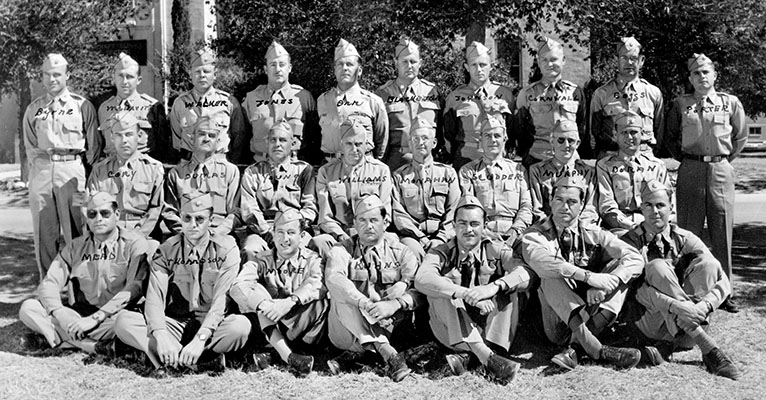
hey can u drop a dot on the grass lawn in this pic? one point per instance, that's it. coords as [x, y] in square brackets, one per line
[63, 375]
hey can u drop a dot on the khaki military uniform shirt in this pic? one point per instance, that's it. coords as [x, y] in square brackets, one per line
[267, 188]
[339, 188]
[404, 103]
[216, 176]
[109, 275]
[66, 124]
[424, 200]
[138, 186]
[334, 106]
[191, 281]
[542, 177]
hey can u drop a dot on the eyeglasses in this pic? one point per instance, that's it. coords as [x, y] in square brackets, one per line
[106, 213]
[563, 140]
[199, 219]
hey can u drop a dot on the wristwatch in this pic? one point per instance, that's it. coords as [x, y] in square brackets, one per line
[98, 316]
[203, 336]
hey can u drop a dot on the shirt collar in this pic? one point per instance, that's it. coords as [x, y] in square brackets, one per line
[201, 247]
[132, 99]
[710, 97]
[574, 228]
[475, 88]
[196, 94]
[403, 86]
[623, 84]
[476, 252]
[281, 166]
[355, 88]
[64, 96]
[428, 162]
[110, 241]
[271, 91]
[649, 236]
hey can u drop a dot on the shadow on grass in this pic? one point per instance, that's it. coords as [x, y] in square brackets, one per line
[18, 272]
[749, 252]
[14, 198]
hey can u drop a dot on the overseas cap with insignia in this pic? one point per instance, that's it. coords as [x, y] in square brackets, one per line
[628, 119]
[196, 201]
[275, 50]
[649, 187]
[698, 60]
[406, 47]
[202, 57]
[565, 126]
[125, 61]
[288, 215]
[492, 123]
[352, 127]
[575, 180]
[345, 49]
[123, 121]
[549, 45]
[368, 203]
[476, 50]
[98, 199]
[467, 201]
[53, 60]
[420, 124]
[209, 123]
[628, 45]
[281, 126]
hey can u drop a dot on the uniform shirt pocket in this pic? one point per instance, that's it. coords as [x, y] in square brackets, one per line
[389, 275]
[116, 276]
[142, 192]
[395, 107]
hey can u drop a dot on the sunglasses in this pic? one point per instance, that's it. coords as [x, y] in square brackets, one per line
[562, 140]
[199, 219]
[92, 214]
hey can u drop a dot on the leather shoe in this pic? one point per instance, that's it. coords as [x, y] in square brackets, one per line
[397, 368]
[717, 363]
[458, 363]
[650, 355]
[300, 365]
[730, 306]
[502, 369]
[620, 357]
[567, 359]
[261, 361]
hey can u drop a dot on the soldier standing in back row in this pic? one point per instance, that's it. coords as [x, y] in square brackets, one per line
[276, 101]
[61, 139]
[546, 102]
[155, 140]
[349, 100]
[626, 92]
[204, 100]
[707, 131]
[408, 97]
[466, 107]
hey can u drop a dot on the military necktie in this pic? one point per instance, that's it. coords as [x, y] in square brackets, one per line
[566, 243]
[196, 269]
[656, 248]
[466, 270]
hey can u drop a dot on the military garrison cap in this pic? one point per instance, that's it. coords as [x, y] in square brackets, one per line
[368, 203]
[125, 61]
[492, 123]
[469, 201]
[275, 50]
[549, 45]
[98, 199]
[345, 49]
[420, 123]
[209, 123]
[123, 121]
[202, 57]
[628, 119]
[476, 50]
[53, 60]
[698, 60]
[288, 215]
[651, 186]
[405, 47]
[352, 127]
[281, 126]
[196, 201]
[628, 45]
[565, 125]
[574, 180]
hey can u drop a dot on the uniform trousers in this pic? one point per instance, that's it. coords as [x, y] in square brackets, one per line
[54, 329]
[52, 189]
[348, 329]
[231, 334]
[307, 322]
[662, 284]
[705, 191]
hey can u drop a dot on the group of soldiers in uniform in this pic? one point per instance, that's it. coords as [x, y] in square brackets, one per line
[352, 248]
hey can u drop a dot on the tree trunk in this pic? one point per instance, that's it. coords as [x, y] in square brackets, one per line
[24, 98]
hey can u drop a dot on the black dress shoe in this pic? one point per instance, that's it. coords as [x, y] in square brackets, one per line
[261, 361]
[620, 357]
[458, 363]
[567, 359]
[730, 305]
[106, 348]
[33, 341]
[717, 363]
[502, 369]
[397, 368]
[300, 365]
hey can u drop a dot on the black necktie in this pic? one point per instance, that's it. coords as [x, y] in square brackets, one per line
[656, 248]
[466, 271]
[566, 243]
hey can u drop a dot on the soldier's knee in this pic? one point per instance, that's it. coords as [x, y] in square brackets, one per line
[239, 327]
[28, 308]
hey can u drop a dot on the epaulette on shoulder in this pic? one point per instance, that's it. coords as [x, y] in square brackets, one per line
[147, 159]
[569, 83]
[77, 96]
[148, 98]
[222, 92]
[427, 82]
[130, 235]
[296, 87]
